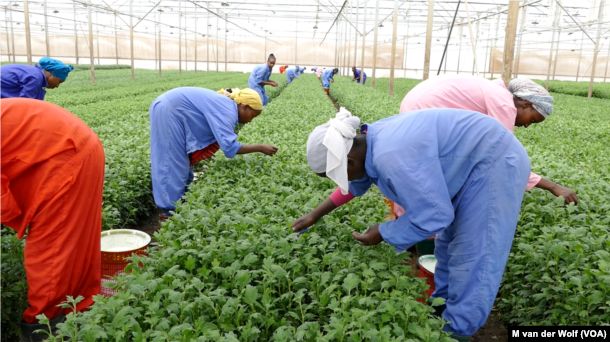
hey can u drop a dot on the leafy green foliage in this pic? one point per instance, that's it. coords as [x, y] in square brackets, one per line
[228, 268]
[600, 90]
[14, 285]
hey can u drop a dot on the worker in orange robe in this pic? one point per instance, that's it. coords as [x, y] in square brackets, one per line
[52, 181]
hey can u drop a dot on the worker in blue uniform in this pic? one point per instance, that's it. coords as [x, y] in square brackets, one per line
[292, 73]
[188, 125]
[259, 78]
[327, 79]
[357, 74]
[458, 174]
[19, 80]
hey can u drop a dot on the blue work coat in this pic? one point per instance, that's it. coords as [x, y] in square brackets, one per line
[182, 121]
[20, 80]
[327, 75]
[290, 74]
[357, 74]
[260, 73]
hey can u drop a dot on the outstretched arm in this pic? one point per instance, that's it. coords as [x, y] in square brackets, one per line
[568, 194]
[310, 219]
[266, 149]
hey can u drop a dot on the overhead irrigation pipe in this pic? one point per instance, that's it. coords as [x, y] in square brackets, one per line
[577, 24]
[220, 17]
[344, 17]
[144, 17]
[448, 37]
[334, 21]
[472, 42]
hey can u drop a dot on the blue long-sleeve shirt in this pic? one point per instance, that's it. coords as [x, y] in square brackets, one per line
[205, 117]
[20, 80]
[421, 160]
[260, 73]
[291, 73]
[357, 74]
[327, 75]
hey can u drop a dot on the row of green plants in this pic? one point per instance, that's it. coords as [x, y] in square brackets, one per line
[557, 273]
[117, 110]
[600, 90]
[227, 266]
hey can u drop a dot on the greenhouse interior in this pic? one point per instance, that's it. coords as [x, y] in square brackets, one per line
[483, 124]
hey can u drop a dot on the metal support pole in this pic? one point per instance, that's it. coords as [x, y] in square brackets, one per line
[195, 40]
[8, 46]
[556, 53]
[217, 43]
[207, 36]
[13, 36]
[448, 39]
[156, 45]
[76, 33]
[460, 46]
[356, 35]
[393, 55]
[28, 44]
[376, 23]
[428, 39]
[97, 37]
[487, 48]
[582, 40]
[346, 34]
[509, 41]
[91, 62]
[349, 51]
[180, 37]
[296, 41]
[522, 32]
[116, 41]
[607, 59]
[600, 18]
[131, 35]
[46, 29]
[225, 43]
[491, 49]
[474, 45]
[555, 20]
[446, 53]
[160, 53]
[363, 42]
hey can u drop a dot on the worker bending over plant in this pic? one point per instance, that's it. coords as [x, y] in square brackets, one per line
[52, 183]
[188, 125]
[292, 73]
[357, 74]
[28, 81]
[259, 78]
[417, 160]
[521, 104]
[327, 79]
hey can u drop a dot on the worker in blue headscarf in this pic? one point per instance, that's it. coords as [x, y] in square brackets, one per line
[259, 78]
[327, 79]
[457, 173]
[292, 73]
[19, 80]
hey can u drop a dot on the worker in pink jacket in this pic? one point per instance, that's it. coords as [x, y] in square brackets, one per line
[521, 104]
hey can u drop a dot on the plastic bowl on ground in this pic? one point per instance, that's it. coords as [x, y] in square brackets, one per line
[117, 245]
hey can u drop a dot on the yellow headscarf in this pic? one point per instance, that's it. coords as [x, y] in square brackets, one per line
[244, 96]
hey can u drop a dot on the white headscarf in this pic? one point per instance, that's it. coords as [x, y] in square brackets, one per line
[527, 90]
[328, 146]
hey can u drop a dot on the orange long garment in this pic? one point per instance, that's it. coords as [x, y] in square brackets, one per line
[52, 180]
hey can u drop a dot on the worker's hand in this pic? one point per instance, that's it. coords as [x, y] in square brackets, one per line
[274, 84]
[303, 222]
[353, 79]
[370, 238]
[568, 194]
[268, 149]
[332, 80]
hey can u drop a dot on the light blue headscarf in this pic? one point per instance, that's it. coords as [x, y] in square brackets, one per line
[55, 67]
[527, 90]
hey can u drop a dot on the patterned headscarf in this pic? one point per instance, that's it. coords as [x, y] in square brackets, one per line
[527, 90]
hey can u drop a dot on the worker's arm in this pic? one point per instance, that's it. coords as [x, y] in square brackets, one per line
[265, 149]
[271, 83]
[30, 88]
[10, 209]
[568, 194]
[310, 219]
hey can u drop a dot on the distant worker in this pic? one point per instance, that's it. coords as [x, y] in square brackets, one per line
[319, 72]
[357, 75]
[327, 79]
[19, 80]
[292, 73]
[302, 71]
[52, 185]
[259, 78]
[521, 104]
[460, 175]
[314, 69]
[188, 125]
[283, 68]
